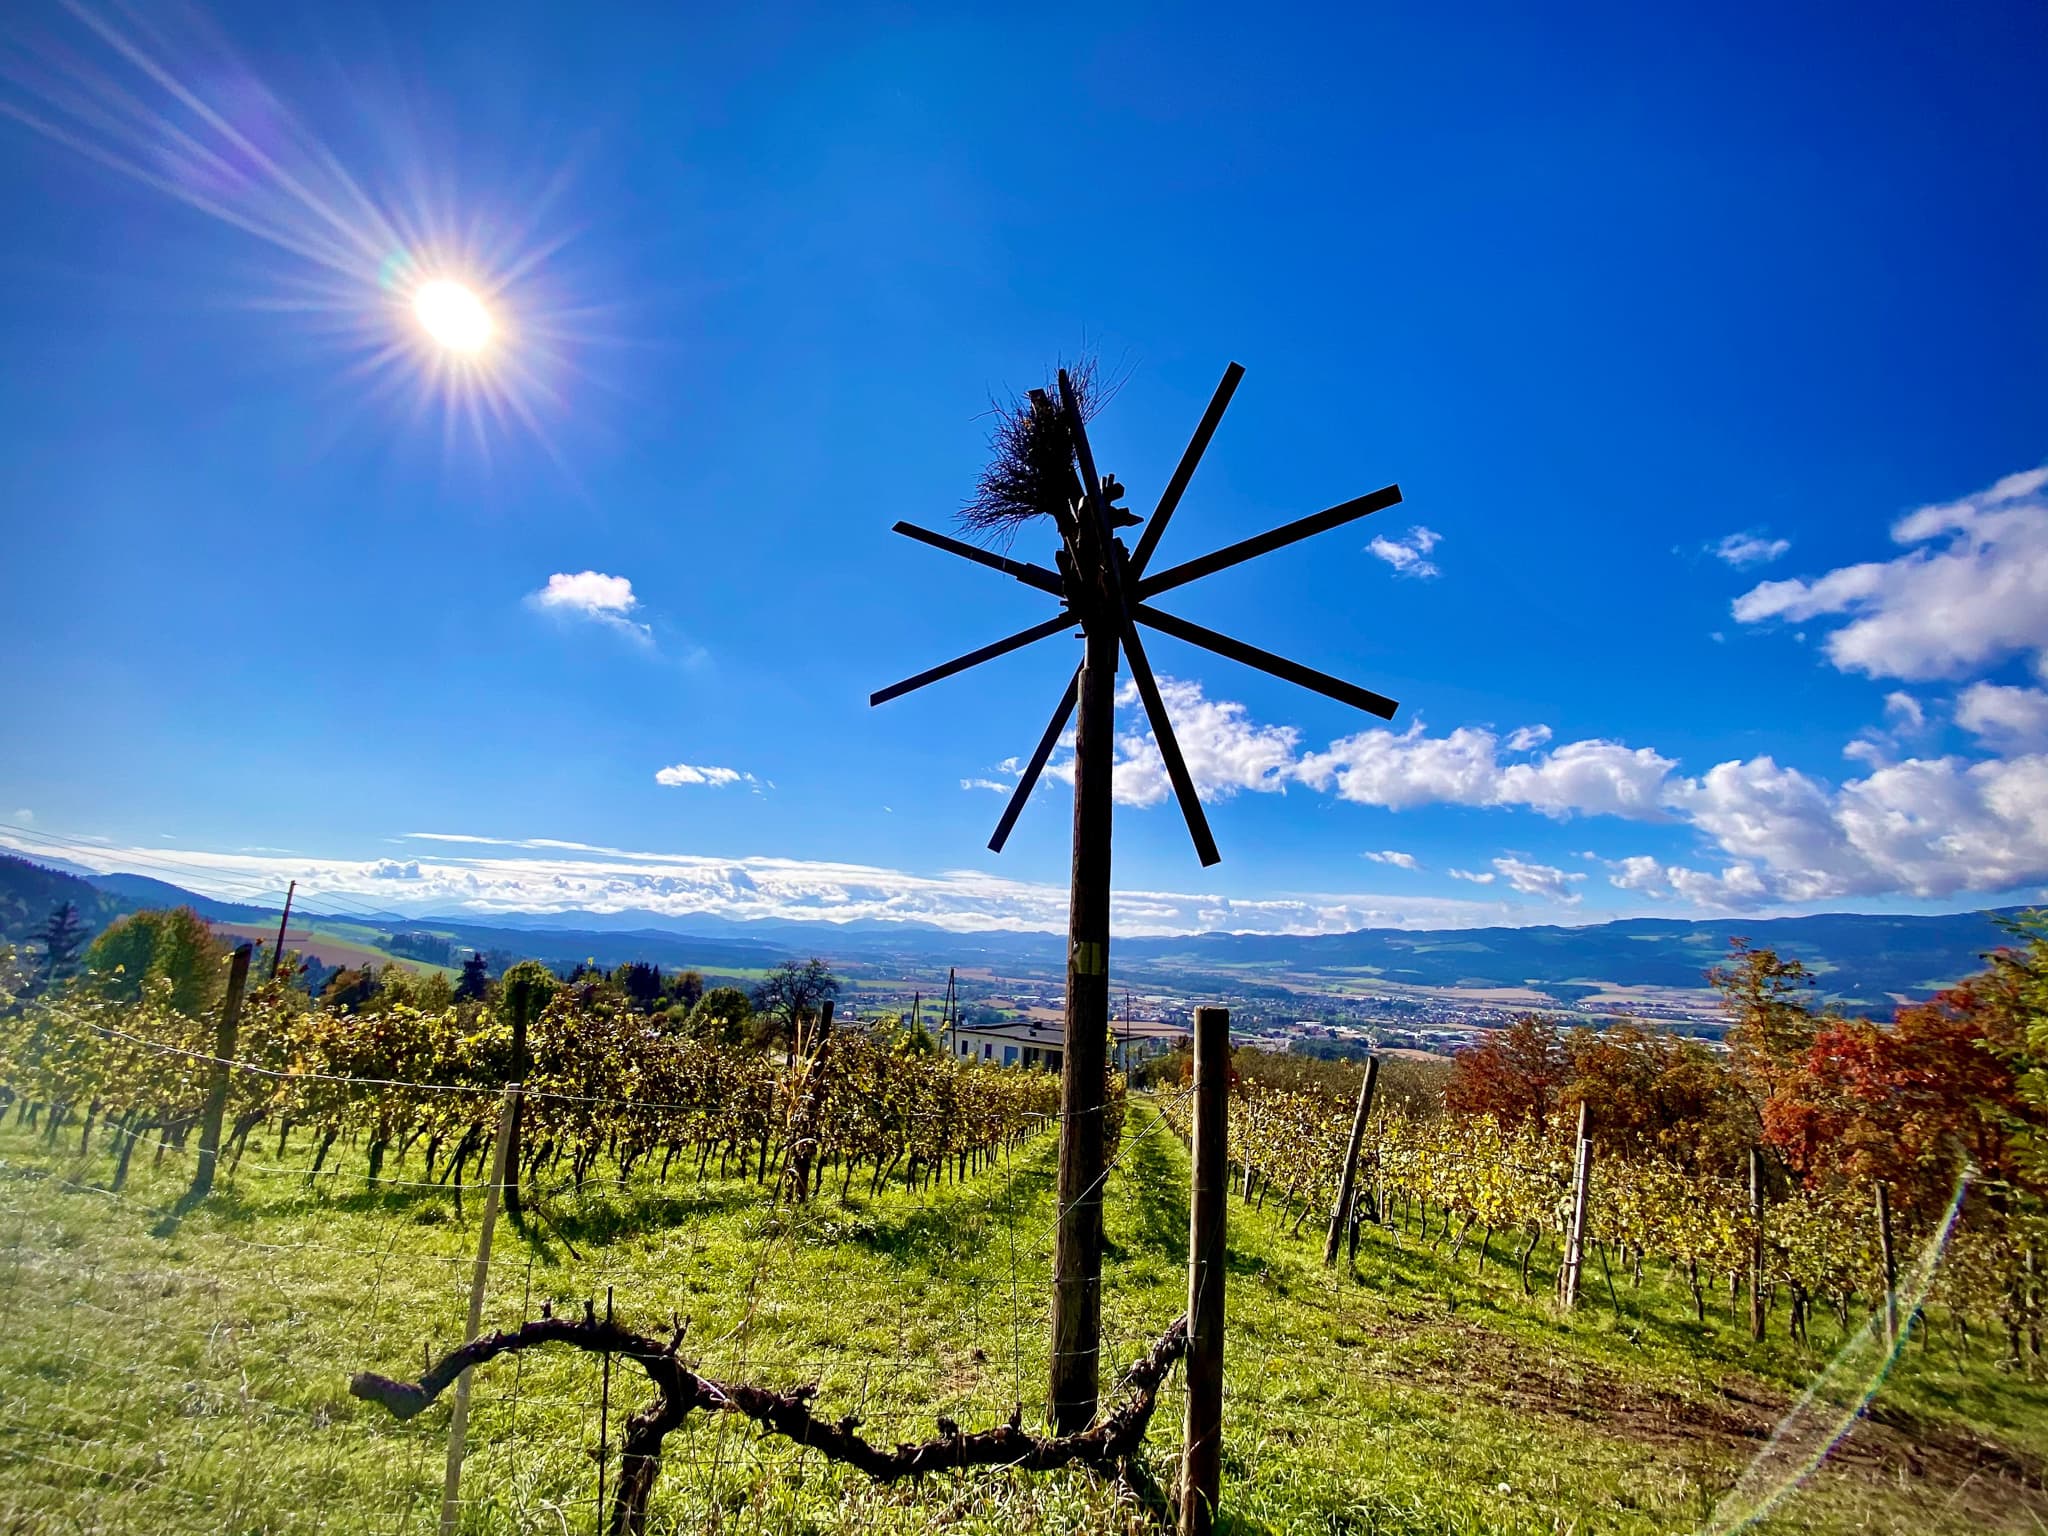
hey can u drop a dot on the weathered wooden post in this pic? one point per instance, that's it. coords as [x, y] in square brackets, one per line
[1582, 1192]
[458, 1420]
[216, 1105]
[1208, 1207]
[803, 1126]
[1077, 1250]
[1044, 469]
[1891, 1267]
[1756, 1243]
[1347, 1184]
[521, 994]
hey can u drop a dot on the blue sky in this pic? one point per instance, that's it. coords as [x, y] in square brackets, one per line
[1602, 288]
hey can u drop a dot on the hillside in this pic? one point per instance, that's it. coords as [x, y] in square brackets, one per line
[30, 892]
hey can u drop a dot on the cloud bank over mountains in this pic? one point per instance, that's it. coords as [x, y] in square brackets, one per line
[476, 876]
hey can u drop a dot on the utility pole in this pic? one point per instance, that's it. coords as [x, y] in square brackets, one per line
[277, 951]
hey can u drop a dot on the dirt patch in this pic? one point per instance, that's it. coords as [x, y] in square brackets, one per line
[2002, 1486]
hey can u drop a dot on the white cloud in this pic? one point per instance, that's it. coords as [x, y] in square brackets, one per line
[1974, 593]
[1927, 827]
[677, 774]
[1484, 877]
[592, 595]
[1904, 713]
[1409, 768]
[25, 816]
[1527, 738]
[1394, 857]
[999, 788]
[393, 869]
[1409, 556]
[1639, 873]
[1544, 880]
[1745, 549]
[2009, 719]
[1224, 750]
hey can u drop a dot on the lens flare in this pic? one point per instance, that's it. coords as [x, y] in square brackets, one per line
[476, 315]
[453, 315]
[1829, 1409]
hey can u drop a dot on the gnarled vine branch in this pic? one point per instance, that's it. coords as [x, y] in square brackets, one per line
[1106, 1446]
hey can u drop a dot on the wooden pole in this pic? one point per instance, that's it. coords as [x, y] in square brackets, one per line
[522, 1016]
[1208, 1211]
[277, 950]
[1077, 1254]
[1756, 1242]
[1347, 1185]
[604, 1421]
[1582, 1193]
[216, 1105]
[458, 1420]
[1891, 1267]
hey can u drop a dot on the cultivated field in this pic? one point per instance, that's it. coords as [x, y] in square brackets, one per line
[170, 1378]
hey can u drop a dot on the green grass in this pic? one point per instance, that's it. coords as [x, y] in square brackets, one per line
[196, 1381]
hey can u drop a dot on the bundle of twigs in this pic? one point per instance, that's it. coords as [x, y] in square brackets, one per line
[1030, 470]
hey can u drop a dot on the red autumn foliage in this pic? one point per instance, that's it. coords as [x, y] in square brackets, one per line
[1910, 1102]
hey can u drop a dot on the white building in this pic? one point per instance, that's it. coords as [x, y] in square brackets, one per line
[1040, 1046]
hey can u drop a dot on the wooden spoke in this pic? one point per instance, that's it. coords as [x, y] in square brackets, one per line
[1265, 543]
[1036, 766]
[1185, 470]
[1279, 666]
[1023, 570]
[1003, 647]
[1169, 748]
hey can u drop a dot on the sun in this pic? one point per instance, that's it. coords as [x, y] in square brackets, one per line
[453, 315]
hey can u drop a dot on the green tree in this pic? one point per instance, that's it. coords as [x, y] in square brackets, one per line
[173, 946]
[686, 988]
[641, 982]
[790, 998]
[1771, 1024]
[721, 1016]
[476, 980]
[353, 988]
[63, 936]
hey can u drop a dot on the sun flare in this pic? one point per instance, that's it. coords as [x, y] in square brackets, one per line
[453, 315]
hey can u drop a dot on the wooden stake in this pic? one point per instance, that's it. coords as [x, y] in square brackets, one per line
[1077, 1253]
[1347, 1186]
[1756, 1243]
[458, 1420]
[522, 1017]
[1891, 1268]
[1582, 1192]
[217, 1080]
[1208, 1208]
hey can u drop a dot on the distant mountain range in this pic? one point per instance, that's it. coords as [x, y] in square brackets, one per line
[1860, 959]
